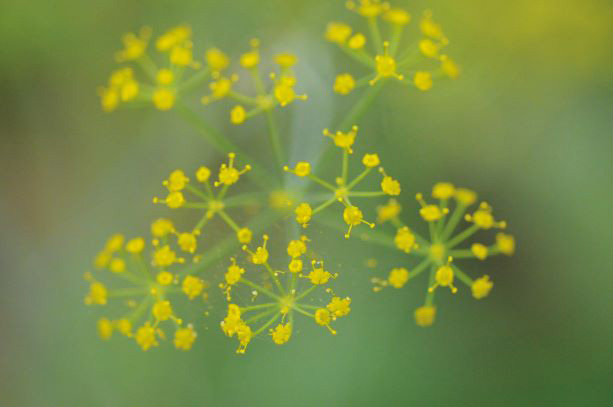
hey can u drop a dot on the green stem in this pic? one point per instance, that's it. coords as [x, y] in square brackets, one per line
[359, 178]
[228, 220]
[460, 237]
[260, 288]
[273, 136]
[267, 324]
[221, 143]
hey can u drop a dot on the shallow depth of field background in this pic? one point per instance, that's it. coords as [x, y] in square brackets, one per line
[528, 125]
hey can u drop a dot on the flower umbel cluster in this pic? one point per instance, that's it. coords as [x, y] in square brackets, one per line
[386, 59]
[279, 93]
[440, 252]
[211, 203]
[153, 280]
[288, 292]
[342, 190]
[176, 72]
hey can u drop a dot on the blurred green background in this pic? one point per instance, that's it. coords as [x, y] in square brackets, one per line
[528, 125]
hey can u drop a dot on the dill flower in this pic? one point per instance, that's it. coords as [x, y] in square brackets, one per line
[342, 190]
[156, 279]
[280, 91]
[278, 295]
[381, 52]
[440, 252]
[207, 200]
[161, 84]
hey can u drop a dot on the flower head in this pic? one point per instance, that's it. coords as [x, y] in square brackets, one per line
[387, 59]
[155, 280]
[440, 253]
[182, 193]
[287, 294]
[342, 190]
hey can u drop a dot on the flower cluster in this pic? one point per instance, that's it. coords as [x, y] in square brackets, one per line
[288, 292]
[153, 280]
[209, 202]
[165, 80]
[386, 59]
[440, 252]
[342, 190]
[280, 92]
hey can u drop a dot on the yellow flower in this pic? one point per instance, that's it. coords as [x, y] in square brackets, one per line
[423, 80]
[388, 211]
[398, 277]
[404, 239]
[390, 186]
[234, 273]
[134, 46]
[244, 235]
[228, 174]
[145, 337]
[163, 98]
[505, 243]
[424, 316]
[352, 215]
[203, 174]
[281, 333]
[357, 41]
[165, 256]
[371, 160]
[102, 259]
[303, 214]
[97, 294]
[465, 197]
[124, 326]
[297, 248]
[338, 32]
[397, 16]
[385, 66]
[216, 59]
[251, 59]
[302, 169]
[165, 76]
[192, 286]
[343, 140]
[484, 219]
[443, 190]
[176, 181]
[164, 278]
[286, 60]
[429, 48]
[117, 266]
[444, 278]
[187, 242]
[238, 114]
[430, 213]
[105, 328]
[482, 287]
[449, 67]
[184, 338]
[162, 310]
[344, 84]
[260, 256]
[318, 275]
[339, 307]
[162, 227]
[135, 245]
[479, 250]
[429, 28]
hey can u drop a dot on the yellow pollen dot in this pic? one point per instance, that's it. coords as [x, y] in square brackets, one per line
[164, 278]
[344, 84]
[398, 277]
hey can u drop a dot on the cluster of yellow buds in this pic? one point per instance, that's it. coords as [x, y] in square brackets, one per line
[385, 58]
[281, 92]
[154, 280]
[342, 190]
[440, 252]
[209, 202]
[163, 81]
[287, 292]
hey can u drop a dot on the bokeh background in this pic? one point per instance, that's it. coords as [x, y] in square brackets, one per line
[528, 125]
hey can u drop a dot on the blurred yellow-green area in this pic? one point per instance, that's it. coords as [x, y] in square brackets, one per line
[528, 125]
